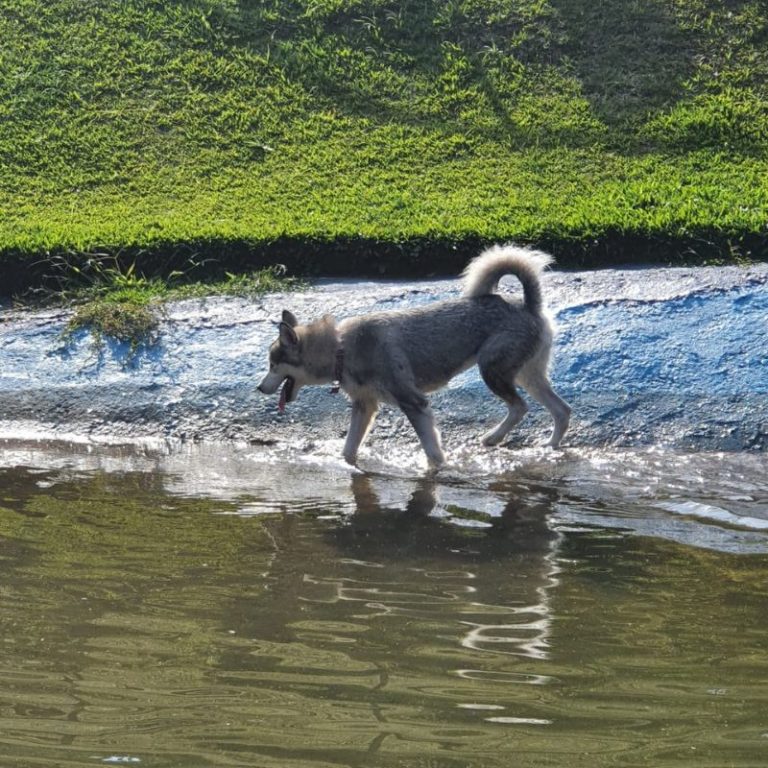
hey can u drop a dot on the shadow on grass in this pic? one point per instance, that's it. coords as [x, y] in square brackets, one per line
[522, 73]
[419, 61]
[630, 56]
[407, 258]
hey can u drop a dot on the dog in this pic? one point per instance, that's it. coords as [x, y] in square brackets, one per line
[398, 357]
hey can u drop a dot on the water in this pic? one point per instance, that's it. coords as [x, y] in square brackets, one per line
[251, 606]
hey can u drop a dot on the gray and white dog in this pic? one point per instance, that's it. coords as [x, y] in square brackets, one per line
[397, 357]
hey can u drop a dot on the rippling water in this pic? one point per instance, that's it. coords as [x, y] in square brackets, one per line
[221, 607]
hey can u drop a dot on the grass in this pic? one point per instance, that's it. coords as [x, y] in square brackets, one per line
[369, 135]
[133, 321]
[126, 306]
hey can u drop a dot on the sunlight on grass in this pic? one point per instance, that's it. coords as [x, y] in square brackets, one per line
[603, 132]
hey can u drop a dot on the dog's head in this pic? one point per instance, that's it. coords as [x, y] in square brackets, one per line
[302, 354]
[285, 362]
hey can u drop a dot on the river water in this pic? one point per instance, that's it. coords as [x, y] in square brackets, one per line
[191, 580]
[233, 606]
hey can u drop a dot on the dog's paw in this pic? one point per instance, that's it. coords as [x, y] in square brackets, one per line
[554, 442]
[489, 439]
[436, 460]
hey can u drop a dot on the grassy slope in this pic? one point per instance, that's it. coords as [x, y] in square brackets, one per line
[602, 129]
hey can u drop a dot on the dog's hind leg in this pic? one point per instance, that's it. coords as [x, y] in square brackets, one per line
[363, 412]
[517, 409]
[539, 388]
[499, 376]
[515, 404]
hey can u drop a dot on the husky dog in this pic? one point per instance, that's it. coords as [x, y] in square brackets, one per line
[399, 356]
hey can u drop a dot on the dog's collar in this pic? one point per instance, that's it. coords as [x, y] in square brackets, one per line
[338, 371]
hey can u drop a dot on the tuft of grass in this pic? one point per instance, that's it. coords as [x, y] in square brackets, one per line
[131, 321]
[246, 284]
[126, 306]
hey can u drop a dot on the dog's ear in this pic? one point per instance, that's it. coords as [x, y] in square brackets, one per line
[288, 337]
[289, 318]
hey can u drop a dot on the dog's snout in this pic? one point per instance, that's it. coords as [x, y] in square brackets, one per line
[269, 384]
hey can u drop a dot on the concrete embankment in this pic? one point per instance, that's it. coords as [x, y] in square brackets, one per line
[675, 357]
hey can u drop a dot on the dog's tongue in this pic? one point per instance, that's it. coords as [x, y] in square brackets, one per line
[285, 394]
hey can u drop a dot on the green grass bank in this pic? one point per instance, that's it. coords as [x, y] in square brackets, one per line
[352, 136]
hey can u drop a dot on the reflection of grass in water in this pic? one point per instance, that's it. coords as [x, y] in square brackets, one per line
[142, 561]
[460, 514]
[96, 518]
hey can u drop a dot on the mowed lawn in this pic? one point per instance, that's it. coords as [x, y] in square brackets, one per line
[364, 130]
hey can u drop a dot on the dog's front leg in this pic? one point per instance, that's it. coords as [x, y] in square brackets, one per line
[423, 421]
[363, 412]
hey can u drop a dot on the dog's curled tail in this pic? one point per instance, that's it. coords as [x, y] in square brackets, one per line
[484, 272]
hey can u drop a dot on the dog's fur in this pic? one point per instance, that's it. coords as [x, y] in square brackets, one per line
[396, 357]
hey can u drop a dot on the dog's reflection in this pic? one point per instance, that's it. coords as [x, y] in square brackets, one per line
[415, 554]
[510, 560]
[429, 514]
